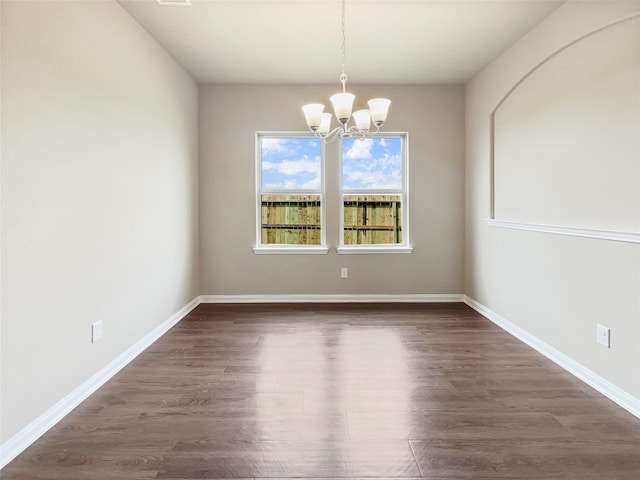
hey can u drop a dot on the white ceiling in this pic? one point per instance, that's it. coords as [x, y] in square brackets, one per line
[299, 41]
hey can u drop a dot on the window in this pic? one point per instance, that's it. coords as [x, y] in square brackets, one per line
[374, 217]
[290, 194]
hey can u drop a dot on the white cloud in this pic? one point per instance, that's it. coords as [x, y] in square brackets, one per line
[383, 172]
[313, 184]
[374, 180]
[295, 184]
[294, 167]
[388, 162]
[383, 143]
[293, 174]
[305, 165]
[360, 149]
[275, 145]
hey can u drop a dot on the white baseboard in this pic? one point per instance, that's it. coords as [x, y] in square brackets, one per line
[25, 437]
[333, 298]
[608, 389]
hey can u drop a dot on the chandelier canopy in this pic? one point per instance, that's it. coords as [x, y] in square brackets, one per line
[319, 122]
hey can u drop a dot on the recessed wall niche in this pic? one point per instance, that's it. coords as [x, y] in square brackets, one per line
[566, 138]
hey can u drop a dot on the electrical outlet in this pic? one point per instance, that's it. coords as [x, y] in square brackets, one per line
[603, 336]
[344, 272]
[96, 331]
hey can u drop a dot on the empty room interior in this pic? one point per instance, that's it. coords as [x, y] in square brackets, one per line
[215, 263]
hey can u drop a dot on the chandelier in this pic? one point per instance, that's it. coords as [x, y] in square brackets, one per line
[320, 123]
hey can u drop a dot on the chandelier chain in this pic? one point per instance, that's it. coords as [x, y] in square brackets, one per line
[343, 77]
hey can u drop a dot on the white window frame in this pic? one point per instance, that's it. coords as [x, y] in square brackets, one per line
[259, 247]
[405, 246]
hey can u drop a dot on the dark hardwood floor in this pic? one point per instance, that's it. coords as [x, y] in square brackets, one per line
[339, 391]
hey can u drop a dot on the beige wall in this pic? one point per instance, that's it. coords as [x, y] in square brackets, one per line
[229, 118]
[555, 287]
[99, 195]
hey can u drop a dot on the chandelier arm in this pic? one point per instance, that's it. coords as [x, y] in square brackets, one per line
[355, 131]
[344, 132]
[331, 136]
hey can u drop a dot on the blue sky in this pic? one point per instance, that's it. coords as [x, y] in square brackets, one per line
[291, 164]
[373, 163]
[294, 163]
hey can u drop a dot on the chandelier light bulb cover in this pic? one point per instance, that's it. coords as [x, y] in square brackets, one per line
[362, 119]
[379, 108]
[319, 122]
[325, 124]
[342, 106]
[313, 113]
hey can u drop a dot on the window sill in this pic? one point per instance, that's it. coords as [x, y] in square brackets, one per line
[289, 250]
[349, 250]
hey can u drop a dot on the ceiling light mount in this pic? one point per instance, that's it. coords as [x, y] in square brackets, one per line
[320, 123]
[174, 3]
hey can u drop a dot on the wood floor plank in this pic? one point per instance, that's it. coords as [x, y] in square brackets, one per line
[433, 399]
[105, 459]
[338, 391]
[290, 459]
[528, 459]
[395, 425]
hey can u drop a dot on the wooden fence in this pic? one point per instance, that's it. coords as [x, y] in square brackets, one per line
[372, 219]
[291, 219]
[295, 219]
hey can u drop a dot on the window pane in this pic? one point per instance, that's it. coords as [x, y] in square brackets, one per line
[291, 163]
[372, 219]
[290, 219]
[373, 163]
